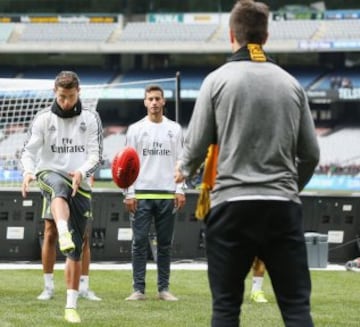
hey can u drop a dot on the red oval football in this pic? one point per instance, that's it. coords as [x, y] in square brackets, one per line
[125, 167]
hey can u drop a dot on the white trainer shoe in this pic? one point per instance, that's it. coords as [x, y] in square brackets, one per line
[89, 295]
[46, 294]
[136, 296]
[166, 296]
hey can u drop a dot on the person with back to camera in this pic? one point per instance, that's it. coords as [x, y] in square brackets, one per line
[259, 117]
[63, 150]
[154, 195]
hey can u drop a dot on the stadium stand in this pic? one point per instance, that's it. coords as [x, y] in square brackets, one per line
[146, 74]
[136, 36]
[5, 31]
[345, 29]
[293, 29]
[12, 144]
[307, 76]
[8, 71]
[112, 144]
[333, 151]
[68, 32]
[191, 78]
[175, 32]
[339, 78]
[89, 75]
[143, 37]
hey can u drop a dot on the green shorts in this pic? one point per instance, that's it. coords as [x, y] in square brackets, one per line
[53, 185]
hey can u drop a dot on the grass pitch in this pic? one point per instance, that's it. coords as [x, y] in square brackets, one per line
[335, 301]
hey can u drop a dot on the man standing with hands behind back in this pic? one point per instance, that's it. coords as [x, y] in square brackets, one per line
[154, 196]
[63, 150]
[259, 117]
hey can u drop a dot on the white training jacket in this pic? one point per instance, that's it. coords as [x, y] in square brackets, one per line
[159, 146]
[63, 144]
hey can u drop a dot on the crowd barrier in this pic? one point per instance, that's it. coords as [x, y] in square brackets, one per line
[21, 229]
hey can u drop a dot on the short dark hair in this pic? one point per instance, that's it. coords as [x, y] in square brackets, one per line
[249, 21]
[154, 87]
[67, 80]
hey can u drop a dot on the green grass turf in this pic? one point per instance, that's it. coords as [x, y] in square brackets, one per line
[335, 301]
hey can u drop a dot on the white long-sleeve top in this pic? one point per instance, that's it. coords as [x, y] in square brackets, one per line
[63, 144]
[159, 146]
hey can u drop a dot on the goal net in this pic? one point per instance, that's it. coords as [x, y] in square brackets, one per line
[21, 99]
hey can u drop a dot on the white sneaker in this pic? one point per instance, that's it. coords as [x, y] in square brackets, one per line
[136, 296]
[46, 294]
[166, 296]
[89, 295]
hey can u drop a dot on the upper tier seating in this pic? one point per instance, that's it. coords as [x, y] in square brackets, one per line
[175, 32]
[68, 32]
[5, 31]
[293, 29]
[280, 32]
[346, 29]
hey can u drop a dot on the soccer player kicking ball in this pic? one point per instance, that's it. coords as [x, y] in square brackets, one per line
[63, 150]
[48, 259]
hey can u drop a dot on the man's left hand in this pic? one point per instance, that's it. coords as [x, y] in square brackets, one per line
[180, 201]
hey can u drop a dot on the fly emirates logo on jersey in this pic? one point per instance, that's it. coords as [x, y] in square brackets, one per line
[156, 149]
[67, 146]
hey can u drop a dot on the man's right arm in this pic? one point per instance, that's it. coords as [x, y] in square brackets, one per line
[29, 155]
[28, 178]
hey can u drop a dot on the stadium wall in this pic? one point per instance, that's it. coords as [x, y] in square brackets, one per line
[21, 229]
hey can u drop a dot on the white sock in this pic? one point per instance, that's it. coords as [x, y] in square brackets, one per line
[71, 299]
[49, 281]
[257, 284]
[62, 226]
[84, 283]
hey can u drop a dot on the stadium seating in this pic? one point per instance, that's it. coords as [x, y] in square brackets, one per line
[113, 143]
[296, 30]
[191, 79]
[178, 32]
[88, 75]
[68, 32]
[8, 71]
[293, 29]
[339, 78]
[346, 29]
[306, 75]
[284, 35]
[344, 155]
[5, 31]
[11, 144]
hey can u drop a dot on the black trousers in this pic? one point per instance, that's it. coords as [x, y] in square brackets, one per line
[238, 231]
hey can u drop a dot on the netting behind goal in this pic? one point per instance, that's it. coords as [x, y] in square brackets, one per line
[21, 100]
